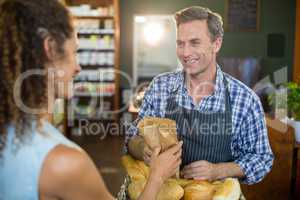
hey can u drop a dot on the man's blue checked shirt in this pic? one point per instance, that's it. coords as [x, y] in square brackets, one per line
[250, 145]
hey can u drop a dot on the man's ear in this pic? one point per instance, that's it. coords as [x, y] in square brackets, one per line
[49, 48]
[217, 44]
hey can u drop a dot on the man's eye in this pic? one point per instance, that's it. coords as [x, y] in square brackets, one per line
[180, 44]
[195, 44]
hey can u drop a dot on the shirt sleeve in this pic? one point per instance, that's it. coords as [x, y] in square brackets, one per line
[255, 156]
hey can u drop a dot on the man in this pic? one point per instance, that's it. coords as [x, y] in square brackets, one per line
[219, 119]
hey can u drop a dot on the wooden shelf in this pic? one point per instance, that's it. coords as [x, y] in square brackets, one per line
[115, 34]
[106, 50]
[86, 94]
[94, 17]
[94, 67]
[94, 81]
[93, 118]
[99, 32]
[93, 3]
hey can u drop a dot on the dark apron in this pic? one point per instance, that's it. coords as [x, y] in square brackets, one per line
[205, 135]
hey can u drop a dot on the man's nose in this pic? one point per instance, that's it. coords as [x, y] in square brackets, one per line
[186, 51]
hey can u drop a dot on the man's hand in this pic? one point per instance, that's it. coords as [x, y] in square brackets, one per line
[204, 170]
[200, 170]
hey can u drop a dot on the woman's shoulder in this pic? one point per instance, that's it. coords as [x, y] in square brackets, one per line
[64, 161]
[62, 166]
[68, 173]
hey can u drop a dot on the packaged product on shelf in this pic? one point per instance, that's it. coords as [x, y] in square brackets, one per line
[111, 10]
[107, 42]
[101, 58]
[110, 58]
[108, 24]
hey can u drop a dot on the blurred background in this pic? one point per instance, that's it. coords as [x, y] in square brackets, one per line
[125, 43]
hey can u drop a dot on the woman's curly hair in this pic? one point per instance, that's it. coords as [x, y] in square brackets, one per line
[23, 25]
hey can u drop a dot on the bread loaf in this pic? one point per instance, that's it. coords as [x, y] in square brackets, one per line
[135, 169]
[182, 182]
[145, 170]
[228, 190]
[136, 188]
[135, 173]
[128, 161]
[139, 173]
[170, 191]
[199, 190]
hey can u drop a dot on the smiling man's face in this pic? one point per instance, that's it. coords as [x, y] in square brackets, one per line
[195, 49]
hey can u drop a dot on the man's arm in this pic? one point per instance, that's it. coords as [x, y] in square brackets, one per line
[255, 155]
[230, 169]
[204, 170]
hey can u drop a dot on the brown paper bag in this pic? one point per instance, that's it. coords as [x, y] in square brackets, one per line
[159, 132]
[167, 136]
[151, 136]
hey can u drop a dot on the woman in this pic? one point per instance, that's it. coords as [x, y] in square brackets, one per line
[37, 51]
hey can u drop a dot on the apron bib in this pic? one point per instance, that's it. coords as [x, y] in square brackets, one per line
[205, 135]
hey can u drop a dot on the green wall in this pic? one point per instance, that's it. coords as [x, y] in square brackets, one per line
[277, 16]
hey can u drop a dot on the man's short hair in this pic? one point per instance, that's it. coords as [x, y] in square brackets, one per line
[214, 20]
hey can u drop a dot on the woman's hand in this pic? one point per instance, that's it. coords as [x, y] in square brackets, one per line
[147, 153]
[164, 165]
